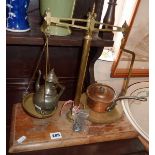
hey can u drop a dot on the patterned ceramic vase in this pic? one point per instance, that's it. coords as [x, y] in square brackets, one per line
[58, 8]
[16, 15]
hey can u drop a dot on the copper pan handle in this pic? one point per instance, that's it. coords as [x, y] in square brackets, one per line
[141, 98]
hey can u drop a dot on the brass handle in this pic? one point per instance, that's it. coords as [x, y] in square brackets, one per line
[126, 80]
[141, 98]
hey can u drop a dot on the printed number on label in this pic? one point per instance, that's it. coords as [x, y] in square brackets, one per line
[55, 135]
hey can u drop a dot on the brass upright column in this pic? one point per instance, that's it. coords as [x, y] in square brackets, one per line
[84, 59]
[85, 55]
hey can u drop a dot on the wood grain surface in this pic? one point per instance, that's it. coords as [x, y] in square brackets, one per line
[37, 131]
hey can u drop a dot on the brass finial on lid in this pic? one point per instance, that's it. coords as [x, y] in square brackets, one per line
[51, 77]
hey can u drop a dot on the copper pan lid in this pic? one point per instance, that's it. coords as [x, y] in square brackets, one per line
[101, 93]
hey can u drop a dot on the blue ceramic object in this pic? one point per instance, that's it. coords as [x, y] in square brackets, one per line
[16, 15]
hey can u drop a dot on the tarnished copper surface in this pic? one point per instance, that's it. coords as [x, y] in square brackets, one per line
[104, 117]
[100, 96]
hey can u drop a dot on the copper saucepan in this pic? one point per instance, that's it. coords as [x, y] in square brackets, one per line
[103, 98]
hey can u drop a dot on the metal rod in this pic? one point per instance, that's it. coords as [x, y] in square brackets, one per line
[85, 54]
[140, 98]
[49, 20]
[47, 59]
[126, 80]
[46, 67]
[38, 62]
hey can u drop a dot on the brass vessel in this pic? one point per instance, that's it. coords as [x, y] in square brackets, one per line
[46, 96]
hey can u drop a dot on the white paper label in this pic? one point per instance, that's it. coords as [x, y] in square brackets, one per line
[21, 139]
[55, 135]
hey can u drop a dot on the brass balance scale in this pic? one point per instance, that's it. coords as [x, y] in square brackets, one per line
[43, 103]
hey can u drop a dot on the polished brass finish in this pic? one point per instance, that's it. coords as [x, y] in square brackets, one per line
[83, 66]
[126, 80]
[125, 29]
[85, 54]
[90, 27]
[46, 97]
[90, 22]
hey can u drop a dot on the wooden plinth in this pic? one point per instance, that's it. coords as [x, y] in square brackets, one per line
[37, 131]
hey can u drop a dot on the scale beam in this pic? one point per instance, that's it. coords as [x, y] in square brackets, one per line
[90, 25]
